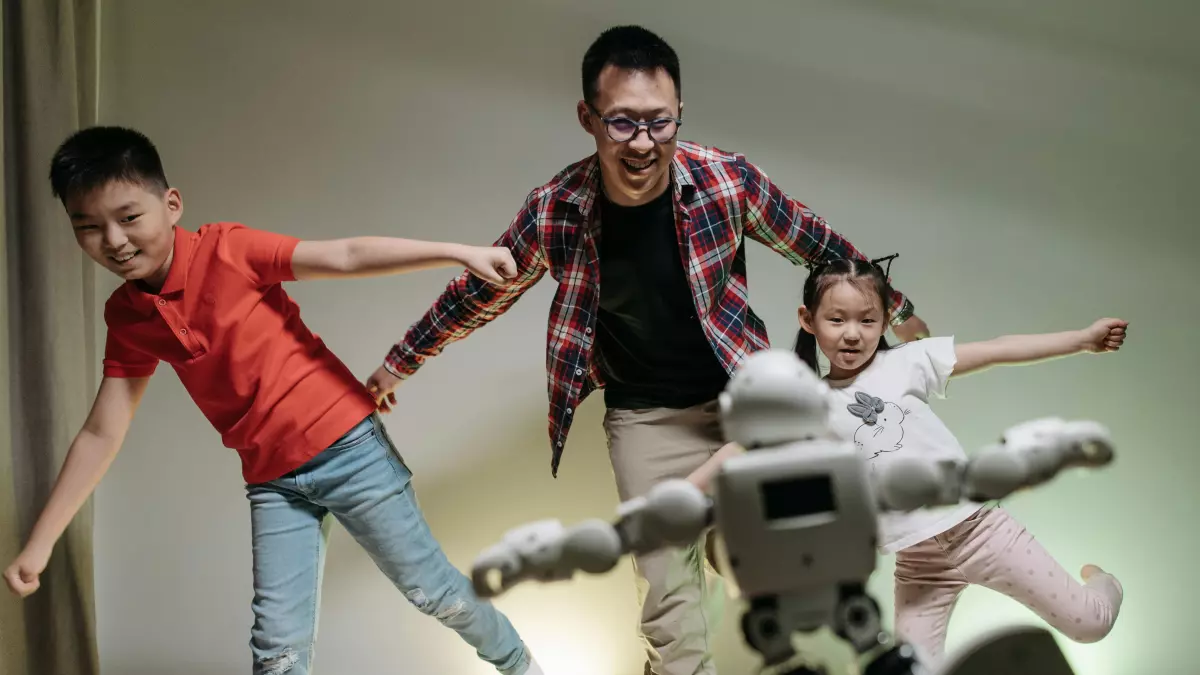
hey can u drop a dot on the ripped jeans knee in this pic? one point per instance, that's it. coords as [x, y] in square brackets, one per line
[284, 662]
[445, 608]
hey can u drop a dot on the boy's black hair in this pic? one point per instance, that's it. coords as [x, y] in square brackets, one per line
[866, 274]
[96, 156]
[629, 47]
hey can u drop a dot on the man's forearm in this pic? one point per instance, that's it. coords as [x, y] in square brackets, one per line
[469, 303]
[466, 305]
[87, 461]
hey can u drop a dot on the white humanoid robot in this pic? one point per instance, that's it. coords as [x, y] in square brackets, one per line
[798, 517]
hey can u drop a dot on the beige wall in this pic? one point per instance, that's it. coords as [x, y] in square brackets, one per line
[1028, 163]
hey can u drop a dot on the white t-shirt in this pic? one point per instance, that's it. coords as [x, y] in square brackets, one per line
[885, 410]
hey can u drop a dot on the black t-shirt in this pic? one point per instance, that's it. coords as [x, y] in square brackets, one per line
[652, 349]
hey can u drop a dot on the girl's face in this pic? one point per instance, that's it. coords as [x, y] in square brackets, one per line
[847, 324]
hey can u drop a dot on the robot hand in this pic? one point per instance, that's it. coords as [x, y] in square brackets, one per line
[673, 513]
[1028, 455]
[1079, 443]
[545, 551]
[1032, 453]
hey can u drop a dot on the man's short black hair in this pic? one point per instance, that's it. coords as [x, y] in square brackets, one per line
[628, 47]
[96, 156]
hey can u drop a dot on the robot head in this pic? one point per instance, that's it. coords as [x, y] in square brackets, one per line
[772, 399]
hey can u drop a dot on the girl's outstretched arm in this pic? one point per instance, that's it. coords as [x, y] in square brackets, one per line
[1106, 335]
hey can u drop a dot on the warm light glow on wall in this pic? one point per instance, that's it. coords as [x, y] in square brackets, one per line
[578, 627]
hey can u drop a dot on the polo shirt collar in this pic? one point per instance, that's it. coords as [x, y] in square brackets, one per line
[177, 275]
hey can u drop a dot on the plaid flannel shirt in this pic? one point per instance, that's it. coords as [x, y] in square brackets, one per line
[718, 198]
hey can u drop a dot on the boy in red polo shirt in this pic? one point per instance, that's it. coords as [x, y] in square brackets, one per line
[211, 304]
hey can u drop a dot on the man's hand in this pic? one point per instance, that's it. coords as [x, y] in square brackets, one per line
[1106, 335]
[493, 264]
[912, 328]
[22, 576]
[382, 385]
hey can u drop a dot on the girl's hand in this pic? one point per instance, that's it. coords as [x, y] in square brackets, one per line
[1106, 335]
[22, 576]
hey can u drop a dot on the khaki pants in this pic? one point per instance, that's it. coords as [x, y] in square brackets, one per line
[680, 593]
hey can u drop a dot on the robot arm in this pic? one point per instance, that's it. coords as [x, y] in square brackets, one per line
[545, 551]
[1027, 455]
[673, 513]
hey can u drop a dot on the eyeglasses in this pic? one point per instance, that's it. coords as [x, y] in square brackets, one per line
[622, 129]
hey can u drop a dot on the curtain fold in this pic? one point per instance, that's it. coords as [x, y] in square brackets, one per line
[50, 65]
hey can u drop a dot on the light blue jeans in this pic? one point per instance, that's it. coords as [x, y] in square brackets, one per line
[362, 481]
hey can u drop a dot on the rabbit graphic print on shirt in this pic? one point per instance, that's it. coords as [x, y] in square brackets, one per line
[882, 429]
[885, 411]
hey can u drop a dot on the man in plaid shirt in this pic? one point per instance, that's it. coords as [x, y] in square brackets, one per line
[662, 222]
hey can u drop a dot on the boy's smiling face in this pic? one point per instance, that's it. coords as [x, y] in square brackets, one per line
[127, 229]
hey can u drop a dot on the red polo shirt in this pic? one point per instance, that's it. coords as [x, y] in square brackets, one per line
[222, 320]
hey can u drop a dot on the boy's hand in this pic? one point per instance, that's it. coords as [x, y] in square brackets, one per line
[1106, 335]
[22, 575]
[493, 264]
[382, 385]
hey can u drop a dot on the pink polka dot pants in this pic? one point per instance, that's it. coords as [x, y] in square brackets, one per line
[991, 549]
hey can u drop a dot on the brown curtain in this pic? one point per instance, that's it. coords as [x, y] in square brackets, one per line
[50, 64]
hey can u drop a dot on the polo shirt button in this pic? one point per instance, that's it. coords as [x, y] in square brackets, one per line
[162, 303]
[183, 331]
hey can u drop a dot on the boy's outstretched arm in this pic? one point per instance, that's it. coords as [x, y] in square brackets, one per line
[87, 460]
[1105, 335]
[379, 256]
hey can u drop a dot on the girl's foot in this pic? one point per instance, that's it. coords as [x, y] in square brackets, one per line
[1089, 571]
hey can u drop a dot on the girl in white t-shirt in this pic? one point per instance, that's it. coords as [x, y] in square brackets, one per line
[882, 402]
